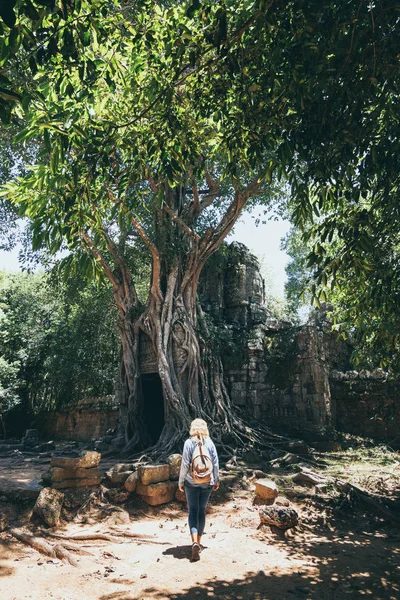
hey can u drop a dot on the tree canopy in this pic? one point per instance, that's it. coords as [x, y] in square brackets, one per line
[159, 123]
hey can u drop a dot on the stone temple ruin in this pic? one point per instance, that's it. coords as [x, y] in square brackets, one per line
[297, 380]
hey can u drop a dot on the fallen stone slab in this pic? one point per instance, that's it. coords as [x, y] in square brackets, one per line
[283, 517]
[48, 506]
[174, 461]
[153, 473]
[266, 490]
[86, 460]
[157, 493]
[131, 482]
[60, 474]
[32, 489]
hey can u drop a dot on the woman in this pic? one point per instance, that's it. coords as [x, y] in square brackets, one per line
[198, 493]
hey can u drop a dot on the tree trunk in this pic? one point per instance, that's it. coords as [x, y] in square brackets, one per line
[191, 375]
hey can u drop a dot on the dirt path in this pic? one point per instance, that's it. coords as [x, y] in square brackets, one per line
[238, 563]
[328, 557]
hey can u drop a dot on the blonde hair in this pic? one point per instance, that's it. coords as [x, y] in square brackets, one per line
[199, 428]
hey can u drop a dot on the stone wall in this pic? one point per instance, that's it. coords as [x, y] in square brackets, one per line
[87, 420]
[367, 403]
[296, 380]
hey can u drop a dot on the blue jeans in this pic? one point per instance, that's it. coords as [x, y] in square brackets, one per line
[197, 498]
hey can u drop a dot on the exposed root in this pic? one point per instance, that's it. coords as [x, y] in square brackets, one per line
[37, 543]
[63, 554]
[97, 495]
[44, 547]
[84, 537]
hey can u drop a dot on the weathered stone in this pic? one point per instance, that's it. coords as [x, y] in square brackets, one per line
[59, 474]
[157, 493]
[123, 467]
[3, 522]
[174, 462]
[86, 461]
[266, 490]
[153, 473]
[48, 506]
[131, 482]
[283, 517]
[117, 477]
[76, 483]
[299, 447]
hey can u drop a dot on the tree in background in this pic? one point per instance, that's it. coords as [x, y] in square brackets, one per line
[57, 342]
[163, 124]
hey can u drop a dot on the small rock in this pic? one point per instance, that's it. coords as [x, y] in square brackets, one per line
[48, 506]
[266, 490]
[280, 501]
[320, 488]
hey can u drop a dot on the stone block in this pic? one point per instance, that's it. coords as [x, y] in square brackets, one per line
[60, 474]
[48, 506]
[157, 493]
[75, 483]
[266, 490]
[239, 398]
[153, 473]
[131, 482]
[174, 461]
[117, 477]
[87, 460]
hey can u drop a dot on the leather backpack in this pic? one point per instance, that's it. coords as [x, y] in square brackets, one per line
[201, 467]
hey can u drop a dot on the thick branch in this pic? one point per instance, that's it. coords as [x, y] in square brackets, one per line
[181, 223]
[155, 276]
[96, 253]
[211, 241]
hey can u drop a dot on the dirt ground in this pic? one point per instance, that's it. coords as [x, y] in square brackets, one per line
[331, 554]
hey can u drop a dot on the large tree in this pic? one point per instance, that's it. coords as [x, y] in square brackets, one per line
[157, 136]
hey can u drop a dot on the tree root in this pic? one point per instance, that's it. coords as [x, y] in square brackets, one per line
[44, 547]
[84, 537]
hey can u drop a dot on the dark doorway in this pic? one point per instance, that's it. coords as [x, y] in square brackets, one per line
[153, 405]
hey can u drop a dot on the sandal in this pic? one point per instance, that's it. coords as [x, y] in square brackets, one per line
[195, 552]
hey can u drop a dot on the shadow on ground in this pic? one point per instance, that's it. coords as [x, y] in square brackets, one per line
[356, 565]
